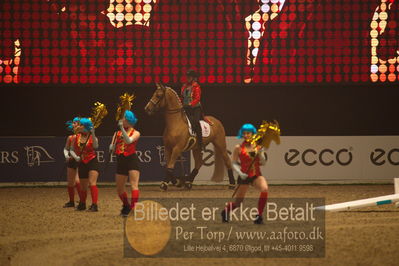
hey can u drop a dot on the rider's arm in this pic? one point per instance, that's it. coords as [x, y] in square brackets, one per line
[196, 95]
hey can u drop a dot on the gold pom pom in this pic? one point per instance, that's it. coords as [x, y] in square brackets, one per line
[125, 104]
[99, 111]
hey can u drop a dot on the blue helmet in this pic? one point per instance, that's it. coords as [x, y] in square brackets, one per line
[248, 128]
[130, 117]
[69, 123]
[86, 123]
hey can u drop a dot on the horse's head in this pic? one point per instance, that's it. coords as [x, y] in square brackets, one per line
[157, 100]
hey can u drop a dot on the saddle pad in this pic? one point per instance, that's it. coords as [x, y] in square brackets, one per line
[206, 128]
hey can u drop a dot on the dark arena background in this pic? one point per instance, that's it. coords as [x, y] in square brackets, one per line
[327, 71]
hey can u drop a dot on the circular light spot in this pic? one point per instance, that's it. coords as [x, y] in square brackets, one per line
[374, 60]
[256, 17]
[255, 52]
[129, 16]
[391, 77]
[374, 69]
[146, 16]
[382, 24]
[374, 42]
[148, 237]
[383, 15]
[373, 33]
[119, 8]
[147, 8]
[256, 35]
[129, 8]
[274, 8]
[256, 25]
[120, 16]
[265, 8]
[374, 24]
[382, 68]
[111, 16]
[138, 17]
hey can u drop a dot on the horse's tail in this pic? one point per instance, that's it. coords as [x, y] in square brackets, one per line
[219, 169]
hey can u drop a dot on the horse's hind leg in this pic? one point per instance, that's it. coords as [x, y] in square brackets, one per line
[227, 162]
[197, 154]
[220, 144]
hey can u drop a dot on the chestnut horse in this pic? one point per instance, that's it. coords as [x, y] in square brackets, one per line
[177, 139]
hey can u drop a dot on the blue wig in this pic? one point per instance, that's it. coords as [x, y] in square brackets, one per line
[86, 123]
[69, 123]
[130, 117]
[248, 128]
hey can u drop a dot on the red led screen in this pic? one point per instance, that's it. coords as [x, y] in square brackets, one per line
[227, 41]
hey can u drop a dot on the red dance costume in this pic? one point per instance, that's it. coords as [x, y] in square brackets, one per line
[88, 152]
[86, 155]
[246, 161]
[122, 148]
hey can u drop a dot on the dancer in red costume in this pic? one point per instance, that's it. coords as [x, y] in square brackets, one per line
[124, 145]
[83, 151]
[246, 160]
[72, 165]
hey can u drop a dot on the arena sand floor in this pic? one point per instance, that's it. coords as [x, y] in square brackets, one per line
[36, 230]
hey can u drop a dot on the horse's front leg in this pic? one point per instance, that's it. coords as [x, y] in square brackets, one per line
[171, 156]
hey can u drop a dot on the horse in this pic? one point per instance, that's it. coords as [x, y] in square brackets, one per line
[177, 139]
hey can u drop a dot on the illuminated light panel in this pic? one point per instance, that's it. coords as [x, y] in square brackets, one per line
[9, 68]
[265, 41]
[122, 13]
[380, 27]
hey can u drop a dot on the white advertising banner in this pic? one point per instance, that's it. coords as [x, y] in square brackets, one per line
[322, 159]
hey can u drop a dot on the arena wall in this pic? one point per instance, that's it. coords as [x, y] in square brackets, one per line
[297, 160]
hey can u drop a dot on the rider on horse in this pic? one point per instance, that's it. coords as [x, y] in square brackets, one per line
[191, 99]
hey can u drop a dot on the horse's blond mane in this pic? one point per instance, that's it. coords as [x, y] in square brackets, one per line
[177, 96]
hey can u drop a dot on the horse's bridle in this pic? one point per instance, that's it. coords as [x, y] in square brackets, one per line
[156, 107]
[155, 104]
